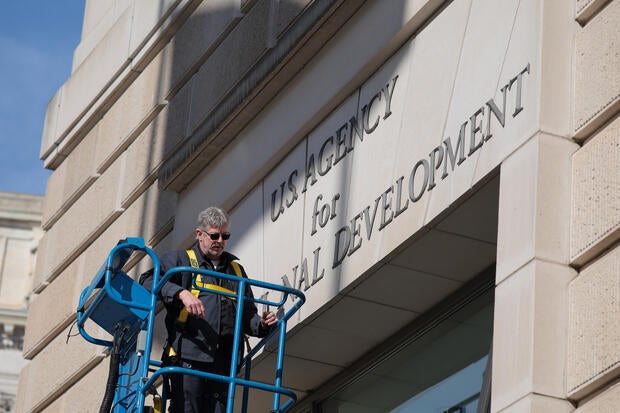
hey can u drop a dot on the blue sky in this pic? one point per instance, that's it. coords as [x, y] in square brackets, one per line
[37, 40]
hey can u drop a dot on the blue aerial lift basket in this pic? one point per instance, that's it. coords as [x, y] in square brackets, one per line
[126, 310]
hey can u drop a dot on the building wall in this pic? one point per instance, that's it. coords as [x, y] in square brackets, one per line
[593, 357]
[174, 105]
[20, 231]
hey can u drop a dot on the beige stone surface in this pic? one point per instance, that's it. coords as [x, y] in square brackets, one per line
[530, 322]
[47, 315]
[275, 233]
[84, 396]
[145, 18]
[70, 179]
[87, 81]
[593, 356]
[55, 368]
[198, 37]
[556, 67]
[585, 9]
[129, 115]
[534, 204]
[229, 62]
[151, 214]
[597, 71]
[146, 154]
[98, 19]
[86, 218]
[81, 167]
[595, 199]
[48, 136]
[151, 217]
[605, 402]
[54, 195]
[41, 260]
[536, 403]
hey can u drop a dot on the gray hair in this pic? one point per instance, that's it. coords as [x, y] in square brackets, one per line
[212, 217]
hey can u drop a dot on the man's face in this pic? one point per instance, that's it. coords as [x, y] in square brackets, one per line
[212, 248]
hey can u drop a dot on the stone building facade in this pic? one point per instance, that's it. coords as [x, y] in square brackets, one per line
[440, 178]
[20, 231]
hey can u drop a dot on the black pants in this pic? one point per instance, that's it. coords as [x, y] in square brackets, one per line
[193, 394]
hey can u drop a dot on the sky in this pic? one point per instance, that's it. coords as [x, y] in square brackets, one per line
[37, 40]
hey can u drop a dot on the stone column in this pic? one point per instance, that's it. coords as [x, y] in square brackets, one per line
[533, 271]
[531, 297]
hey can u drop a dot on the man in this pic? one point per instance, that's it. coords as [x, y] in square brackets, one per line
[200, 325]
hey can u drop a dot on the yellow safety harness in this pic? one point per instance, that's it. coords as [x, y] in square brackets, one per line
[182, 318]
[194, 263]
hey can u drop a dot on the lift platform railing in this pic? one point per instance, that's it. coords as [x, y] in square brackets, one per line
[116, 302]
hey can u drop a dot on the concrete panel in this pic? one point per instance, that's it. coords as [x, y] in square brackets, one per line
[468, 257]
[147, 16]
[536, 403]
[556, 67]
[237, 53]
[247, 227]
[595, 216]
[326, 206]
[534, 204]
[74, 175]
[288, 11]
[98, 250]
[593, 339]
[597, 75]
[329, 346]
[94, 12]
[84, 396]
[88, 81]
[530, 322]
[518, 73]
[146, 154]
[586, 9]
[151, 214]
[98, 19]
[197, 38]
[81, 168]
[47, 315]
[48, 137]
[41, 261]
[374, 197]
[607, 401]
[90, 214]
[360, 318]
[283, 221]
[379, 287]
[53, 374]
[299, 374]
[129, 115]
[432, 73]
[54, 195]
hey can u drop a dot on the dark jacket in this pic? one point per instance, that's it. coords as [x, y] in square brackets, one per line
[198, 339]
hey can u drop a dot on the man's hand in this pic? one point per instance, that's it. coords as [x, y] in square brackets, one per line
[193, 304]
[269, 318]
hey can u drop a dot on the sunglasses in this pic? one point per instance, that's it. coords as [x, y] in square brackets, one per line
[216, 235]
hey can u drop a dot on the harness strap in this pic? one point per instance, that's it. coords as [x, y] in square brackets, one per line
[182, 318]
